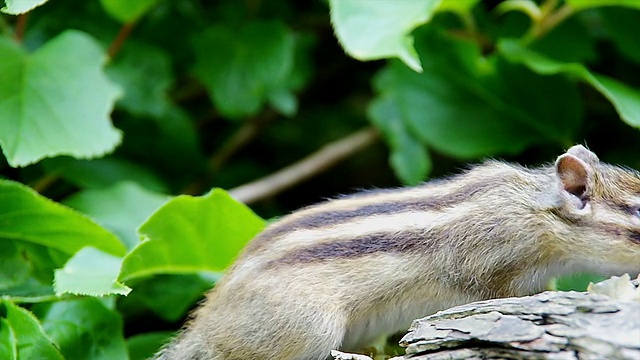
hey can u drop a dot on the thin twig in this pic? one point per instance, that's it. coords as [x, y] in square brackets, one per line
[21, 26]
[117, 43]
[328, 156]
[247, 132]
[45, 181]
[547, 23]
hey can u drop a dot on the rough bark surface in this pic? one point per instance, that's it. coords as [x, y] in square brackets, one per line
[601, 324]
[551, 325]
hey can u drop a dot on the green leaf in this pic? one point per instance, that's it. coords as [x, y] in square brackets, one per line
[8, 348]
[576, 282]
[189, 234]
[622, 26]
[101, 173]
[242, 67]
[409, 158]
[625, 99]
[585, 4]
[284, 101]
[55, 101]
[30, 274]
[567, 42]
[25, 334]
[127, 11]
[370, 30]
[90, 272]
[15, 7]
[14, 268]
[457, 6]
[84, 329]
[168, 296]
[469, 106]
[143, 346]
[169, 143]
[29, 217]
[120, 208]
[144, 73]
[30, 291]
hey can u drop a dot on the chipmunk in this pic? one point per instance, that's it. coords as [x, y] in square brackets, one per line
[342, 273]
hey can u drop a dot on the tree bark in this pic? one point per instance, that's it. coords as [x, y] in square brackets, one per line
[552, 325]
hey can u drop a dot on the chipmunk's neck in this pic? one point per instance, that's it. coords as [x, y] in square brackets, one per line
[502, 247]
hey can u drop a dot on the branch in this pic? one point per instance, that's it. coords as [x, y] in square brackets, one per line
[325, 158]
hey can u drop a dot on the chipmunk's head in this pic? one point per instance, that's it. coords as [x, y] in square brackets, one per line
[601, 205]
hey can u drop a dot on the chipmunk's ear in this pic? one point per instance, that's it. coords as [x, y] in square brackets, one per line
[573, 171]
[583, 154]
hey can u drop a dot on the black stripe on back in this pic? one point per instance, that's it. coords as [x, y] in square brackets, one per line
[328, 218]
[360, 246]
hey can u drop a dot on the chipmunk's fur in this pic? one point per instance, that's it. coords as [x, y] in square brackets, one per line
[339, 274]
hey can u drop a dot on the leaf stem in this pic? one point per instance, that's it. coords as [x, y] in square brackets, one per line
[21, 26]
[241, 137]
[548, 6]
[44, 182]
[550, 19]
[117, 43]
[248, 131]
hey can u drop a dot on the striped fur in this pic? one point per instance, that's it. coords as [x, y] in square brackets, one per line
[341, 273]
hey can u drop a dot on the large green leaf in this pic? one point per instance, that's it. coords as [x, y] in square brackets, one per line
[16, 7]
[25, 216]
[409, 158]
[168, 296]
[623, 27]
[26, 337]
[370, 30]
[56, 100]
[90, 272]
[625, 99]
[567, 42]
[127, 11]
[467, 105]
[14, 268]
[30, 271]
[169, 144]
[8, 348]
[102, 173]
[144, 73]
[120, 208]
[84, 329]
[191, 234]
[244, 68]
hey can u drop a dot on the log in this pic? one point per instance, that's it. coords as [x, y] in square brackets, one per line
[601, 324]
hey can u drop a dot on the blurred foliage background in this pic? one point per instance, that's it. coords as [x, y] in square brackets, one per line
[113, 107]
